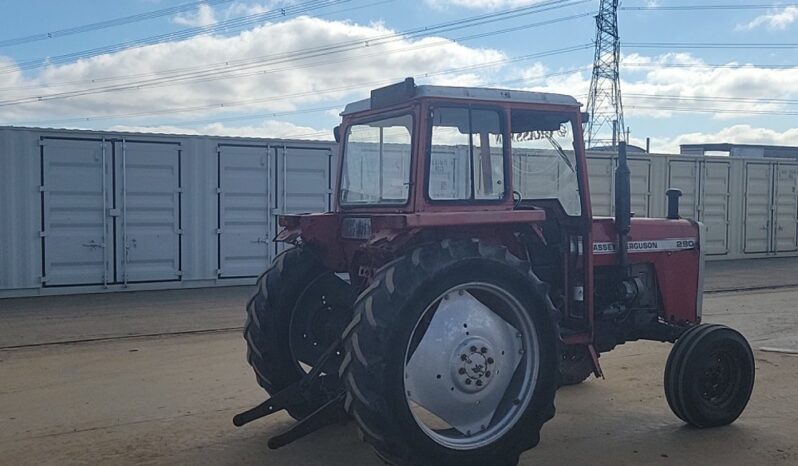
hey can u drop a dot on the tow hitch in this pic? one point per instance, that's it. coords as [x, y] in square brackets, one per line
[314, 386]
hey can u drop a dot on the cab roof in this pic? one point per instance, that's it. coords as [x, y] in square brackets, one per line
[407, 90]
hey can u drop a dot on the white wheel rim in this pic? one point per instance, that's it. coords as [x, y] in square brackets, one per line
[472, 373]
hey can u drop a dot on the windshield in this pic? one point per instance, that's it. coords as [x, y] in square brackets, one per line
[544, 164]
[376, 165]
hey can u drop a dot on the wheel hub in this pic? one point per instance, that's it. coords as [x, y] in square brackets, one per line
[473, 364]
[320, 314]
[716, 379]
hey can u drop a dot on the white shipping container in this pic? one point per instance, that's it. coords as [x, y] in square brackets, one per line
[91, 211]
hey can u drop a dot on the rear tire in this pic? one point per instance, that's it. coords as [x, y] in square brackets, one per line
[403, 300]
[709, 376]
[273, 317]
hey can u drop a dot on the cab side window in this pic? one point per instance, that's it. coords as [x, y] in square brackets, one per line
[466, 157]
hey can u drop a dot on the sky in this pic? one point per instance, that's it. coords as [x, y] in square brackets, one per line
[715, 71]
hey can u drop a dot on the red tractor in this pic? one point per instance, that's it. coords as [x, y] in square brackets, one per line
[462, 278]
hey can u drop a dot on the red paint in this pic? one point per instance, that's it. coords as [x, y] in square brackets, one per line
[677, 272]
[395, 229]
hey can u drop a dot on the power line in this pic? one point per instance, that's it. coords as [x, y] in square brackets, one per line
[757, 100]
[714, 110]
[359, 86]
[110, 23]
[511, 13]
[227, 71]
[625, 64]
[759, 6]
[333, 107]
[223, 26]
[226, 26]
[101, 79]
[752, 66]
[712, 45]
[227, 74]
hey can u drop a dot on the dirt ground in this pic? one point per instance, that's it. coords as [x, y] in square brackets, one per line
[170, 399]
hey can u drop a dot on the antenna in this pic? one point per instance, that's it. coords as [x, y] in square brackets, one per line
[606, 126]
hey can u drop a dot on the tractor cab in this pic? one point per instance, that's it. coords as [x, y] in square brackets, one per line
[415, 149]
[418, 163]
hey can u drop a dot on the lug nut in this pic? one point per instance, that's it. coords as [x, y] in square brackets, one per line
[487, 373]
[468, 382]
[461, 371]
[479, 383]
[473, 349]
[463, 357]
[490, 360]
[483, 350]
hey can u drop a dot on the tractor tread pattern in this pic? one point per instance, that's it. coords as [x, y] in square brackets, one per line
[676, 371]
[376, 311]
[268, 315]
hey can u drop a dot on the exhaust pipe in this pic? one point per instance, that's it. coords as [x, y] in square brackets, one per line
[673, 203]
[623, 208]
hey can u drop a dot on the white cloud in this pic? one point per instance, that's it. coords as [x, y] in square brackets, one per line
[775, 20]
[656, 90]
[281, 86]
[247, 8]
[739, 134]
[480, 4]
[332, 78]
[203, 16]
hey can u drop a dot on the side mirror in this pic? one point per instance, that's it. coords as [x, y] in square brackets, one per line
[337, 133]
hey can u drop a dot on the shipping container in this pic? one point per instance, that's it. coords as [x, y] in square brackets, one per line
[92, 211]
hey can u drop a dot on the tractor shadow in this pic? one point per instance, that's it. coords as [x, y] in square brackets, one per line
[334, 445]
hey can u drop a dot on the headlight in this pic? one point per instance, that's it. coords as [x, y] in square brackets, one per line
[356, 228]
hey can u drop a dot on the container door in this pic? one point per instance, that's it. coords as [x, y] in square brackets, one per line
[785, 208]
[757, 208]
[445, 180]
[75, 231]
[714, 207]
[641, 186]
[245, 194]
[599, 172]
[684, 175]
[304, 180]
[148, 188]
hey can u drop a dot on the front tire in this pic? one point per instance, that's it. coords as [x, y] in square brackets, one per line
[709, 376]
[443, 399]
